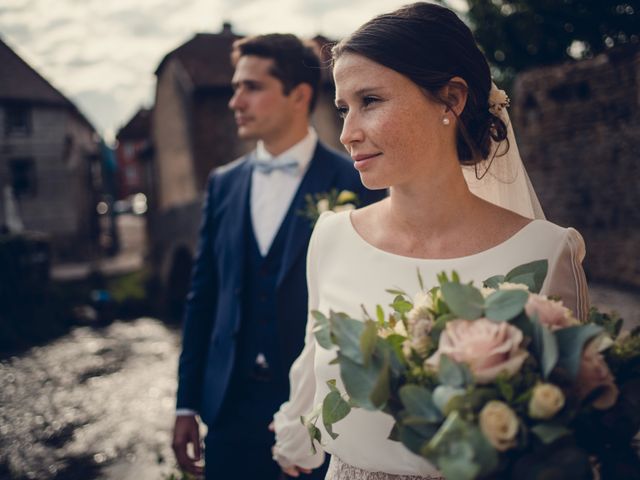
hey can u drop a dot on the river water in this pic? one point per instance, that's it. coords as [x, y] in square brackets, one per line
[97, 403]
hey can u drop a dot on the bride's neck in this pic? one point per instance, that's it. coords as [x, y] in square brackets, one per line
[431, 205]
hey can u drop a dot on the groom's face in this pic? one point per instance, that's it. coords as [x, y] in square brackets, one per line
[262, 110]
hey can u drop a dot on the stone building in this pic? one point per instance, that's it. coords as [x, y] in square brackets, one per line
[50, 158]
[193, 131]
[578, 128]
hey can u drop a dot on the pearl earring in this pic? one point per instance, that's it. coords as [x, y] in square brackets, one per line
[446, 121]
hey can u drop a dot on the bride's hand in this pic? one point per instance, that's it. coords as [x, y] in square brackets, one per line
[294, 470]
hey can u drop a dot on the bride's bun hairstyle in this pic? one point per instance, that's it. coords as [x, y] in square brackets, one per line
[430, 45]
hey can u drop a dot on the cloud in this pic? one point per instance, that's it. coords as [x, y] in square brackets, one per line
[103, 53]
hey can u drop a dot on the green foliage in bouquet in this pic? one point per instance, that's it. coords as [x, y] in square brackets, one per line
[317, 204]
[491, 381]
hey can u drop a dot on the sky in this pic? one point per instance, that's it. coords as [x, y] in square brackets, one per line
[102, 54]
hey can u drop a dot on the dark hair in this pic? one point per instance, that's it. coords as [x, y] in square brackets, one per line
[293, 61]
[430, 45]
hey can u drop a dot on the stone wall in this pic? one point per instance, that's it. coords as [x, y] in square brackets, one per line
[578, 129]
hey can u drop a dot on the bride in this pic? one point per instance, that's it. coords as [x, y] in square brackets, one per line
[421, 118]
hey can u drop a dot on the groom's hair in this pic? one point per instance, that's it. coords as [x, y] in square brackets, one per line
[294, 62]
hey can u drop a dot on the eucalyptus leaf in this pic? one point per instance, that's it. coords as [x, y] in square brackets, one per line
[571, 342]
[494, 282]
[319, 317]
[528, 279]
[454, 374]
[381, 390]
[359, 380]
[415, 437]
[314, 435]
[394, 434]
[504, 305]
[549, 432]
[537, 268]
[334, 409]
[418, 402]
[465, 301]
[545, 347]
[460, 450]
[322, 330]
[346, 334]
[442, 394]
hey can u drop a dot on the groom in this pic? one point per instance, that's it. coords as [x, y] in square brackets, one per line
[247, 307]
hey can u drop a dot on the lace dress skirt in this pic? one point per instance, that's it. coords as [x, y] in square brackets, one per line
[338, 470]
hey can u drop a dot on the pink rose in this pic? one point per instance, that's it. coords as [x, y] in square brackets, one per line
[594, 374]
[551, 313]
[488, 348]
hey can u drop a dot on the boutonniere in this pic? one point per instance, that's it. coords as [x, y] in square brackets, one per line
[318, 203]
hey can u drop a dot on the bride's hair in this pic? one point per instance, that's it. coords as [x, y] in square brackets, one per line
[430, 45]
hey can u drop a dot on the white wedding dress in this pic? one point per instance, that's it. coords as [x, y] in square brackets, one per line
[344, 272]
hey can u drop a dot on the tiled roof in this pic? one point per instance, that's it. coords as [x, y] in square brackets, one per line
[206, 58]
[18, 81]
[139, 127]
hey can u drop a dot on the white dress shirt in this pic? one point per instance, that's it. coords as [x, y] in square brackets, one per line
[271, 196]
[272, 193]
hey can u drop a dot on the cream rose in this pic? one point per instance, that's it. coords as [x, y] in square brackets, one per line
[499, 424]
[594, 375]
[546, 401]
[488, 348]
[551, 313]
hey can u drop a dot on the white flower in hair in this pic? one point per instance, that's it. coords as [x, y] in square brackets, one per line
[498, 100]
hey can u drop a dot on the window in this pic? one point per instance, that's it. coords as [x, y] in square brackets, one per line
[17, 120]
[23, 176]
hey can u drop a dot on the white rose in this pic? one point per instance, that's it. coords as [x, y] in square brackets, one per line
[513, 286]
[499, 424]
[546, 401]
[323, 205]
[422, 305]
[400, 329]
[486, 291]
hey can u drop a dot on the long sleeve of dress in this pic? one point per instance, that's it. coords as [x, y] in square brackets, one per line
[566, 278]
[293, 445]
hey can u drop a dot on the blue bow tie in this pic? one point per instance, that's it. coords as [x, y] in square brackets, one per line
[284, 164]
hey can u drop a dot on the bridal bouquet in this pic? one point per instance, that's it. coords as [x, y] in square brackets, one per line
[491, 381]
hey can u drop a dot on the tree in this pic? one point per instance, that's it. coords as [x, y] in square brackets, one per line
[520, 34]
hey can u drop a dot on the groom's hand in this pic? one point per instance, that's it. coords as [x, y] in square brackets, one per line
[185, 432]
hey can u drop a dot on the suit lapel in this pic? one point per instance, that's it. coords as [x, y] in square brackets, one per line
[318, 179]
[236, 225]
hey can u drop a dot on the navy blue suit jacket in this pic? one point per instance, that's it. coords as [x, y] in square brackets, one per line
[213, 309]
